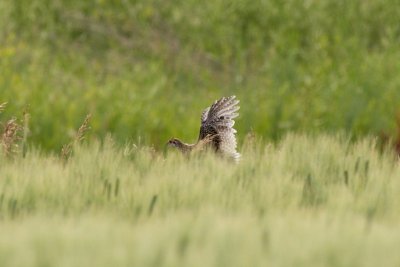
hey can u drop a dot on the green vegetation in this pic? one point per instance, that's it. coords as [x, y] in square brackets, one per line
[145, 70]
[307, 201]
[148, 68]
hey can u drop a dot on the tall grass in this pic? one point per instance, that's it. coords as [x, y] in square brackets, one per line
[306, 201]
[145, 70]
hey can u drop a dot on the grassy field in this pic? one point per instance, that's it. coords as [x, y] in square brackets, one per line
[306, 201]
[303, 195]
[296, 65]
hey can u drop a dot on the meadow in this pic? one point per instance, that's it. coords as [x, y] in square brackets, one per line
[306, 201]
[319, 88]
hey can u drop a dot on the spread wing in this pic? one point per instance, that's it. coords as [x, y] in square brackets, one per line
[219, 119]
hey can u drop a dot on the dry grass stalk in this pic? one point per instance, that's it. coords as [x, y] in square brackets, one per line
[10, 137]
[80, 135]
[66, 150]
[25, 130]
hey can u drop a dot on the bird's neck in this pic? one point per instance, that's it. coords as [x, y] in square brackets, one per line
[185, 148]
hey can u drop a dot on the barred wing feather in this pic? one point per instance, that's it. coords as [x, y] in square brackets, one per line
[219, 120]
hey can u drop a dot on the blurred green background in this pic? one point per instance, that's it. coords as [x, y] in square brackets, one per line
[148, 68]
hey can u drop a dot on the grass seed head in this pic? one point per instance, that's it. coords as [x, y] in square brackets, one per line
[66, 150]
[83, 129]
[10, 136]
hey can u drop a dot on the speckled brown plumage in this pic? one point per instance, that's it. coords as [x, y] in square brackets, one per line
[216, 129]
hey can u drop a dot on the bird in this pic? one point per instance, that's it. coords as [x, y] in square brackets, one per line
[216, 130]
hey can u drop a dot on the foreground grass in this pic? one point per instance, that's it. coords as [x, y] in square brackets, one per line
[308, 201]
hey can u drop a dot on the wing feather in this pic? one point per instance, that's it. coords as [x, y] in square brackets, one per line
[219, 119]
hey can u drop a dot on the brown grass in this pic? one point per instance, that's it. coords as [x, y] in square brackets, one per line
[10, 137]
[66, 150]
[25, 130]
